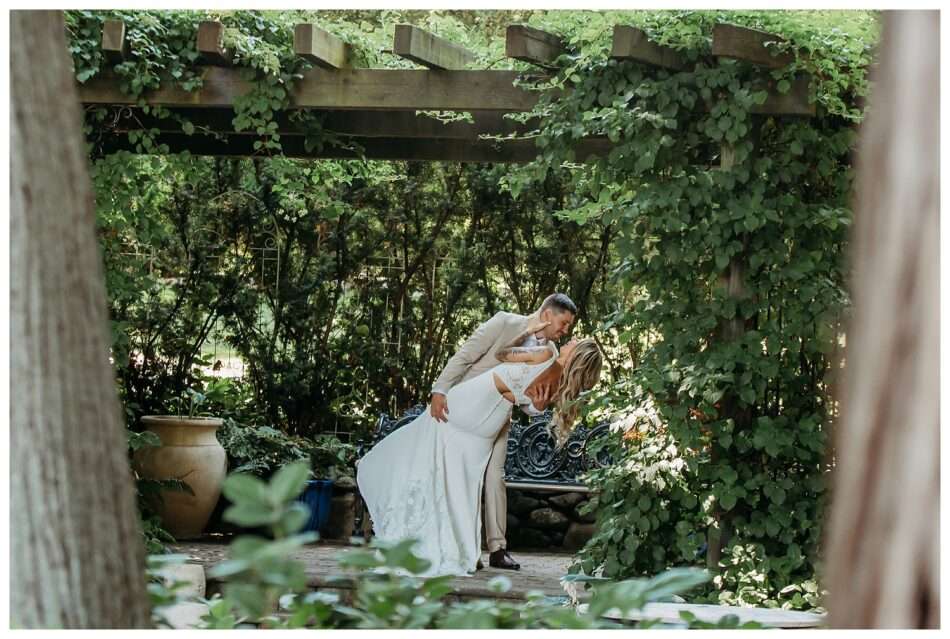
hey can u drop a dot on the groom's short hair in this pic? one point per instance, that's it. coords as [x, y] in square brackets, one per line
[560, 302]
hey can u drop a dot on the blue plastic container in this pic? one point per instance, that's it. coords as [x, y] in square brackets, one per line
[317, 495]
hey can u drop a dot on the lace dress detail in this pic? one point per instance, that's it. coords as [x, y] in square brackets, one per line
[518, 376]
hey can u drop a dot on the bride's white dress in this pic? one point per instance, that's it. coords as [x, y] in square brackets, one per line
[424, 480]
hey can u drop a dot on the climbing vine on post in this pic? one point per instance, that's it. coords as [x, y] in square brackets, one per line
[732, 232]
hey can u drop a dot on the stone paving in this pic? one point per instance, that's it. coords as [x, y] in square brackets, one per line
[539, 570]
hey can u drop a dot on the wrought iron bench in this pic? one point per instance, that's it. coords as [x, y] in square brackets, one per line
[533, 463]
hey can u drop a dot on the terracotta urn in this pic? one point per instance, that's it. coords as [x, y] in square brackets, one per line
[191, 452]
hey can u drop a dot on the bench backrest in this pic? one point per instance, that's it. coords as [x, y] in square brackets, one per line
[532, 452]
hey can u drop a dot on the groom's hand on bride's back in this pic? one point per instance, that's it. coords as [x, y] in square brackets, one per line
[439, 407]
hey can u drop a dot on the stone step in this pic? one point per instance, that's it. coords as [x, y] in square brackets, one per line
[669, 614]
[539, 571]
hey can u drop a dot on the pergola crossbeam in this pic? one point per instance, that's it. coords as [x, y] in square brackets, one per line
[381, 124]
[321, 47]
[378, 90]
[114, 45]
[210, 43]
[749, 45]
[794, 102]
[377, 108]
[631, 43]
[429, 50]
[364, 89]
[427, 150]
[532, 45]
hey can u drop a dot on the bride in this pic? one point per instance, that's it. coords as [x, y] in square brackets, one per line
[424, 480]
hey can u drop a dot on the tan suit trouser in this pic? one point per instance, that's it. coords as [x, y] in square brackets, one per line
[496, 498]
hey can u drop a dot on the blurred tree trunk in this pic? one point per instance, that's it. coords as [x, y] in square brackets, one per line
[77, 558]
[882, 552]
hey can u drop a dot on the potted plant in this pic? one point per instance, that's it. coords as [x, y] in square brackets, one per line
[254, 450]
[331, 462]
[191, 454]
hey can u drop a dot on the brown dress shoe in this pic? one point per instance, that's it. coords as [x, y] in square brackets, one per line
[479, 565]
[501, 559]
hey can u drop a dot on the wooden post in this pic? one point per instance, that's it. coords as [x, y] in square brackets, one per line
[114, 45]
[431, 51]
[77, 558]
[321, 47]
[210, 43]
[882, 552]
[733, 280]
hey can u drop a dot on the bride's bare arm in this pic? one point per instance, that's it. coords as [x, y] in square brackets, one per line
[512, 352]
[527, 354]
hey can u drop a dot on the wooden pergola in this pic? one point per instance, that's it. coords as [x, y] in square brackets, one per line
[377, 108]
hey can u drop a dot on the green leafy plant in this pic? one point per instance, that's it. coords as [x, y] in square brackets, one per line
[259, 450]
[148, 493]
[331, 458]
[259, 570]
[266, 586]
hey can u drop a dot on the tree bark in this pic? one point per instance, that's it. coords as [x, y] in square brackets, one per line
[882, 551]
[77, 558]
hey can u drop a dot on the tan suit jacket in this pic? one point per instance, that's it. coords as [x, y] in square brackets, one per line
[477, 354]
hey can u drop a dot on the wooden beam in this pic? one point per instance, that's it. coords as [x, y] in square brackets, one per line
[749, 45]
[422, 47]
[795, 102]
[363, 89]
[210, 43]
[114, 45]
[383, 124]
[514, 151]
[321, 47]
[411, 89]
[379, 90]
[532, 45]
[631, 43]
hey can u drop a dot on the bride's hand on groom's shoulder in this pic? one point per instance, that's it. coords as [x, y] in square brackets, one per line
[540, 326]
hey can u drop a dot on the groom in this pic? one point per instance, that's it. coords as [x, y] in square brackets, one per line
[476, 356]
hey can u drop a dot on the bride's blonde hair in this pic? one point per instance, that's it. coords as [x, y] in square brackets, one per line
[581, 374]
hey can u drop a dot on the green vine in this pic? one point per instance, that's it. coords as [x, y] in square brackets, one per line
[740, 379]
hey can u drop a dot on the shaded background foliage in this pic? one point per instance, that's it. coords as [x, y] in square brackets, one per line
[369, 276]
[345, 285]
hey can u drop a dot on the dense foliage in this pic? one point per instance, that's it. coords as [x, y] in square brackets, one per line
[731, 229]
[264, 586]
[707, 249]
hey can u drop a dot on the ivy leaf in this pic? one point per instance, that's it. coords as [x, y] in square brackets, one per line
[289, 482]
[747, 395]
[722, 261]
[728, 500]
[85, 74]
[245, 489]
